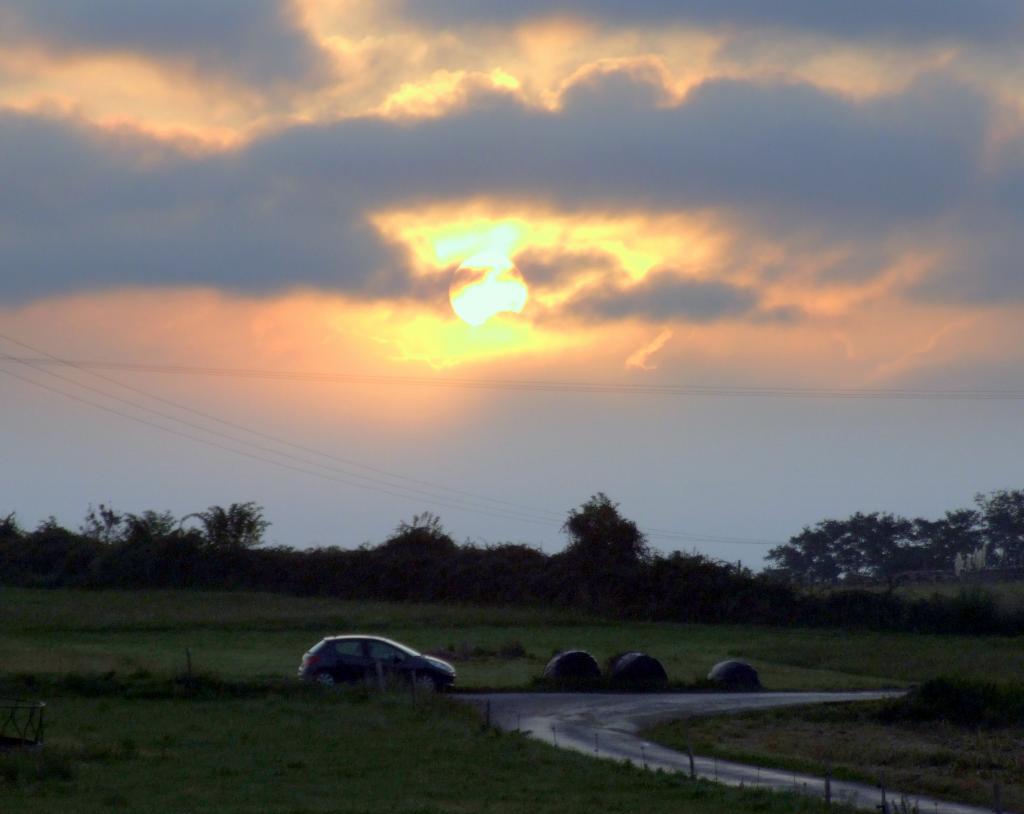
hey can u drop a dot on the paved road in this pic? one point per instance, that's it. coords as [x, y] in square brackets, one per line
[606, 725]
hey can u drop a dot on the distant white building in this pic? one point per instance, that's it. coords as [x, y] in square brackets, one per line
[977, 560]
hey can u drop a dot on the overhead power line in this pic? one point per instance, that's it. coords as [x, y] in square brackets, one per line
[382, 481]
[401, 481]
[547, 385]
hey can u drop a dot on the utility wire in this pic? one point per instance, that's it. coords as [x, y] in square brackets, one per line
[349, 478]
[459, 493]
[515, 512]
[553, 385]
[250, 455]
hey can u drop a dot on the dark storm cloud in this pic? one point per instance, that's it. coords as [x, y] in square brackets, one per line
[907, 20]
[664, 295]
[83, 209]
[255, 41]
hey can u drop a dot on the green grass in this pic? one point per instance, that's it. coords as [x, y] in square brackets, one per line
[312, 750]
[123, 734]
[243, 635]
[856, 742]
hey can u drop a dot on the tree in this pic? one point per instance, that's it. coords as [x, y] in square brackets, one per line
[1003, 521]
[940, 541]
[864, 546]
[239, 526]
[811, 555]
[598, 533]
[9, 528]
[417, 562]
[606, 555]
[422, 535]
[149, 526]
[102, 524]
[876, 546]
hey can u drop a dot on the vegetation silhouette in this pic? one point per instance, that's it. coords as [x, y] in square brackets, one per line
[606, 568]
[882, 547]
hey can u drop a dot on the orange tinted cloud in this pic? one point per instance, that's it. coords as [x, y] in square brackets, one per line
[382, 65]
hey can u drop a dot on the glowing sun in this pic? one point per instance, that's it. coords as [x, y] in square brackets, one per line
[484, 285]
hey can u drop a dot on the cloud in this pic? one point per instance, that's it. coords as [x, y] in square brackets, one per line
[981, 262]
[87, 208]
[732, 144]
[82, 209]
[545, 269]
[255, 41]
[640, 359]
[906, 20]
[662, 296]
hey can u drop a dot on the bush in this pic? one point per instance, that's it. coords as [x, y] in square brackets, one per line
[961, 702]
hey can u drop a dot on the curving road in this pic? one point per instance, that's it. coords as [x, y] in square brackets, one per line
[606, 725]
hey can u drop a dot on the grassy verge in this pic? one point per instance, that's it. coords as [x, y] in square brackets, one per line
[313, 750]
[924, 756]
[1008, 597]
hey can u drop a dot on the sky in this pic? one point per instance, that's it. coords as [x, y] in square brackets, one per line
[742, 266]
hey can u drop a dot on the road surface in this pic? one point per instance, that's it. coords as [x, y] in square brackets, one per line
[607, 725]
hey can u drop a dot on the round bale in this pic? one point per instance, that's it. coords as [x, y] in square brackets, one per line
[638, 669]
[572, 665]
[735, 675]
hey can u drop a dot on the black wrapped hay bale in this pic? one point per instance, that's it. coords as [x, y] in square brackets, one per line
[735, 675]
[637, 669]
[572, 665]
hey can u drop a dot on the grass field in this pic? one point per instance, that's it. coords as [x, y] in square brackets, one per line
[937, 758]
[135, 742]
[329, 751]
[240, 635]
[253, 739]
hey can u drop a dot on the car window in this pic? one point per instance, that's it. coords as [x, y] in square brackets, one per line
[385, 652]
[349, 647]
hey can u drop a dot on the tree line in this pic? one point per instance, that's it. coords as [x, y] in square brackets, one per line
[606, 568]
[882, 547]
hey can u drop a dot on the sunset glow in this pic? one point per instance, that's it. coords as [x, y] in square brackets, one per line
[486, 285]
[422, 218]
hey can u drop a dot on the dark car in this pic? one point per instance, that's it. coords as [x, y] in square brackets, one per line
[350, 659]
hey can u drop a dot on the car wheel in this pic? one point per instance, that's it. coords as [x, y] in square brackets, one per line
[325, 679]
[425, 683]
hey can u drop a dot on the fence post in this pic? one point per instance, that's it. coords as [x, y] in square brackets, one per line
[997, 797]
[885, 806]
[828, 785]
[689, 754]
